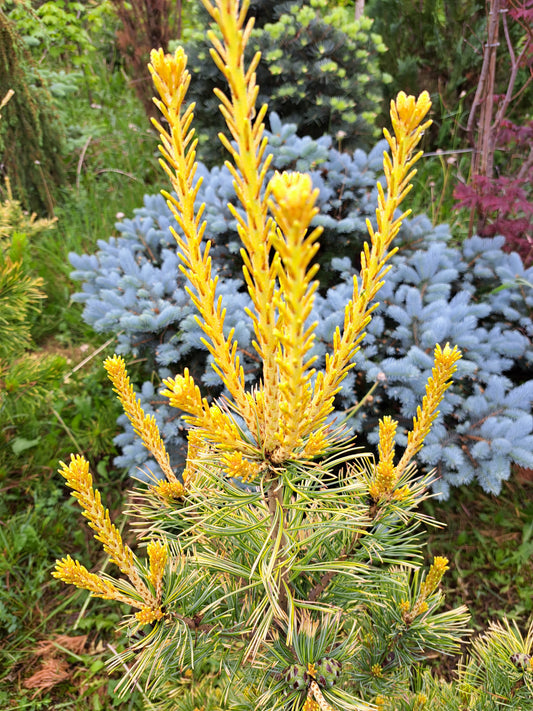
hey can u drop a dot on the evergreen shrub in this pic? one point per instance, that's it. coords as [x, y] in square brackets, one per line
[472, 294]
[31, 141]
[25, 380]
[319, 69]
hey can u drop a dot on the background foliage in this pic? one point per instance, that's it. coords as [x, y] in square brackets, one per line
[485, 114]
[320, 70]
[31, 143]
[435, 44]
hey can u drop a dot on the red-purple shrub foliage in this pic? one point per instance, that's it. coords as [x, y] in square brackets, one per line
[499, 194]
[504, 205]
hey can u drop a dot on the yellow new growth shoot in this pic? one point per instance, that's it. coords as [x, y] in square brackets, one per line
[145, 426]
[428, 586]
[434, 576]
[171, 80]
[440, 381]
[79, 479]
[293, 208]
[407, 116]
[74, 573]
[157, 556]
[249, 169]
[386, 475]
[285, 415]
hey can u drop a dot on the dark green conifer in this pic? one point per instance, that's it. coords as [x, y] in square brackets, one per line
[30, 133]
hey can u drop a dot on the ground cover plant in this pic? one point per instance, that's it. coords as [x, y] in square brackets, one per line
[304, 580]
[489, 548]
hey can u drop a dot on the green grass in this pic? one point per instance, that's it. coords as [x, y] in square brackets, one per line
[106, 178]
[41, 522]
[439, 171]
[489, 542]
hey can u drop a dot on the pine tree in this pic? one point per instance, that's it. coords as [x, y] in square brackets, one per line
[24, 380]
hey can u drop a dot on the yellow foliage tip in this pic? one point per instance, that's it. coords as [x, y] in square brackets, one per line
[408, 112]
[294, 194]
[73, 573]
[438, 383]
[428, 586]
[216, 425]
[144, 425]
[377, 670]
[184, 394]
[169, 76]
[235, 465]
[434, 576]
[79, 479]
[168, 490]
[147, 615]
[384, 474]
[440, 380]
[406, 115]
[387, 433]
[157, 556]
[77, 474]
[404, 607]
[401, 494]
